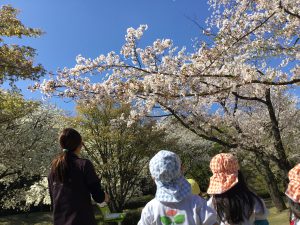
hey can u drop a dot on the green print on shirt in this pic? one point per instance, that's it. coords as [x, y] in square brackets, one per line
[178, 219]
[165, 220]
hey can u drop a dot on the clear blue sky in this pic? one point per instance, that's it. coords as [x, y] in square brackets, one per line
[92, 27]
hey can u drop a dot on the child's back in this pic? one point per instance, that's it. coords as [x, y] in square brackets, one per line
[192, 211]
[234, 202]
[174, 203]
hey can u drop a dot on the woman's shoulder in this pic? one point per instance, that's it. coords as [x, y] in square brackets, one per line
[83, 163]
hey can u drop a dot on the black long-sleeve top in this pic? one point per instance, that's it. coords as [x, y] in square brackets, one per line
[71, 200]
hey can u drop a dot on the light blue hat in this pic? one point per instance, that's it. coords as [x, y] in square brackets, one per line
[165, 168]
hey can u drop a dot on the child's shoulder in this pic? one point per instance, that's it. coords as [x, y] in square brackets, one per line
[194, 200]
[199, 201]
[152, 203]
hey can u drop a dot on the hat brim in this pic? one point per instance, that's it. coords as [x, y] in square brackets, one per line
[293, 191]
[221, 182]
[174, 191]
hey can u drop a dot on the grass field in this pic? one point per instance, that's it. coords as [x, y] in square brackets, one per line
[278, 218]
[38, 218]
[42, 218]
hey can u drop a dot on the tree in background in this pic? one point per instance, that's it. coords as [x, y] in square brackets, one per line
[120, 153]
[224, 92]
[13, 106]
[27, 145]
[195, 153]
[28, 130]
[16, 62]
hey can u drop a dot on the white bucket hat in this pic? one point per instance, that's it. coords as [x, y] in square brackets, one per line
[165, 168]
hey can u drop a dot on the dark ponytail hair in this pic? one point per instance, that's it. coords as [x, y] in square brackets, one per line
[236, 204]
[69, 140]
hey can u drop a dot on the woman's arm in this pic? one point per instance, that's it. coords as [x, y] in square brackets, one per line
[93, 183]
[50, 191]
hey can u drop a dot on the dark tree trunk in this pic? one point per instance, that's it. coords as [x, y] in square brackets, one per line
[275, 193]
[282, 161]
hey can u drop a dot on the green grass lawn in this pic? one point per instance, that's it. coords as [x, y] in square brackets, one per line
[42, 218]
[38, 218]
[278, 218]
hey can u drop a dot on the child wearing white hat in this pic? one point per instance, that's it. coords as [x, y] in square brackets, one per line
[174, 202]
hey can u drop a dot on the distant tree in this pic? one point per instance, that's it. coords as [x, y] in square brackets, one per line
[16, 61]
[13, 106]
[27, 145]
[119, 152]
[195, 153]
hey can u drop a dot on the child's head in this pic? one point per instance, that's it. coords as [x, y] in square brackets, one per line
[293, 190]
[224, 167]
[233, 200]
[165, 168]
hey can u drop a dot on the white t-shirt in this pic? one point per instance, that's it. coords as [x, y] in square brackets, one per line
[192, 210]
[296, 221]
[259, 213]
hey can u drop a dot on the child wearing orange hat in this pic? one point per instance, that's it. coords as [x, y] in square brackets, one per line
[293, 194]
[231, 198]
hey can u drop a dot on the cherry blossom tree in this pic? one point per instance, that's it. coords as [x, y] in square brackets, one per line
[28, 144]
[227, 91]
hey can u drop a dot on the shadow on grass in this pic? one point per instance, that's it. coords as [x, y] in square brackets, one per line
[38, 218]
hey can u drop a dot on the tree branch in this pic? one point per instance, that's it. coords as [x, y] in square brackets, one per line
[295, 81]
[248, 98]
[288, 11]
[206, 137]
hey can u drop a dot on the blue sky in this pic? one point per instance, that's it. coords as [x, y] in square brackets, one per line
[92, 27]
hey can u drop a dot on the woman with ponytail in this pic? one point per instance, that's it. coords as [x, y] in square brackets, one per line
[72, 181]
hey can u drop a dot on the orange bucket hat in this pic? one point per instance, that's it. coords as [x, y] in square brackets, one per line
[293, 190]
[225, 168]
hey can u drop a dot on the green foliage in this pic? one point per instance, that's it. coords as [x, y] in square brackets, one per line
[16, 62]
[13, 106]
[200, 170]
[132, 216]
[255, 180]
[137, 202]
[119, 152]
[201, 174]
